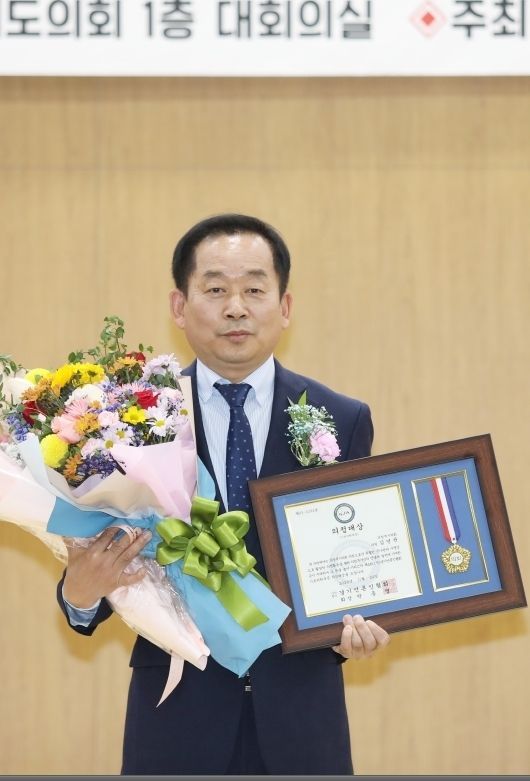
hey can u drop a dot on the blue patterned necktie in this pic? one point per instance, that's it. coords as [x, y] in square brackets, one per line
[240, 460]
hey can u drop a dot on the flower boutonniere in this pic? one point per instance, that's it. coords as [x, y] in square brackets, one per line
[312, 433]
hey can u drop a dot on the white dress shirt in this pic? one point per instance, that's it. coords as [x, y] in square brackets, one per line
[216, 414]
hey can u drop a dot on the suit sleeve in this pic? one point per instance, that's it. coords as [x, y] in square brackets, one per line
[104, 612]
[362, 436]
[360, 446]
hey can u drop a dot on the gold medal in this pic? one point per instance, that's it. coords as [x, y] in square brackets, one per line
[456, 558]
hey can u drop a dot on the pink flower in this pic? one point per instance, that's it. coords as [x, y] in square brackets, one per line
[91, 445]
[107, 418]
[324, 445]
[64, 427]
[76, 407]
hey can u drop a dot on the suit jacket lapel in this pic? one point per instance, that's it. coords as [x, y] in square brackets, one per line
[278, 457]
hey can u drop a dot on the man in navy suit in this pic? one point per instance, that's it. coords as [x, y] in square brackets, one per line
[288, 714]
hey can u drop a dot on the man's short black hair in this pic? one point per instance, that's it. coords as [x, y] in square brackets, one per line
[228, 225]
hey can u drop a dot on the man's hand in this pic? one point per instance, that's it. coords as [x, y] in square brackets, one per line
[360, 638]
[96, 571]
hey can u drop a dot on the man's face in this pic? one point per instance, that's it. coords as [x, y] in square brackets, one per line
[233, 315]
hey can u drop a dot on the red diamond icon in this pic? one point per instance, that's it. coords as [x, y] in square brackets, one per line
[428, 19]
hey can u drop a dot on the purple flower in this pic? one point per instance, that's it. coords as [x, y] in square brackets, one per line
[98, 463]
[18, 428]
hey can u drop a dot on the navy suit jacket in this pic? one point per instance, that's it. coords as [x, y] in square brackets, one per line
[298, 698]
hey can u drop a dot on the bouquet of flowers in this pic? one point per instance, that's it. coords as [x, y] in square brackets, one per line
[107, 440]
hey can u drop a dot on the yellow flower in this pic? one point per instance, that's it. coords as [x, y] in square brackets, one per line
[54, 450]
[90, 373]
[125, 362]
[62, 376]
[70, 468]
[134, 415]
[35, 375]
[87, 423]
[36, 391]
[78, 374]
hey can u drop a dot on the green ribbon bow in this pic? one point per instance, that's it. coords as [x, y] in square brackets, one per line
[212, 547]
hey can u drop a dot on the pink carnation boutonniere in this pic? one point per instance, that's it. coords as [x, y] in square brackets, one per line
[312, 433]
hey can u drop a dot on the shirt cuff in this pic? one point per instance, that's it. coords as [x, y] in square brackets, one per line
[80, 616]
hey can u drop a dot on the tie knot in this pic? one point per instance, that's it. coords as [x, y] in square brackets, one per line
[234, 394]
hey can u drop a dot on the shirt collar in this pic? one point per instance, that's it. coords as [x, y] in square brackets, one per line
[261, 380]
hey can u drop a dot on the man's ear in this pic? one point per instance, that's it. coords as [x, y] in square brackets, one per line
[177, 301]
[287, 308]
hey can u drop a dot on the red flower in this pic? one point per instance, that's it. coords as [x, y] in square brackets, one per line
[146, 398]
[140, 357]
[30, 412]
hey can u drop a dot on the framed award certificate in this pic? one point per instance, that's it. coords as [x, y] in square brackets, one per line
[409, 539]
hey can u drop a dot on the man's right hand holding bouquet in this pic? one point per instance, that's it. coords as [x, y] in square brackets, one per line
[96, 571]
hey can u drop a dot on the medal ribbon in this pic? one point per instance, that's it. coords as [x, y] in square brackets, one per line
[446, 510]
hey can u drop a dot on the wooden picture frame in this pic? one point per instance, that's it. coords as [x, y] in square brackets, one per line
[297, 512]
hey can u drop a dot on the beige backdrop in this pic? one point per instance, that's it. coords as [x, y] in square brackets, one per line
[405, 204]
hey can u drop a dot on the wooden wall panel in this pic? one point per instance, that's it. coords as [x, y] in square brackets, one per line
[404, 203]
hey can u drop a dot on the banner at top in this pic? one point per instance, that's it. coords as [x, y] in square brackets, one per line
[260, 38]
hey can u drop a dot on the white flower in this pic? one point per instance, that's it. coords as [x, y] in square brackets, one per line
[119, 434]
[178, 420]
[162, 364]
[160, 422]
[173, 395]
[11, 450]
[88, 392]
[14, 387]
